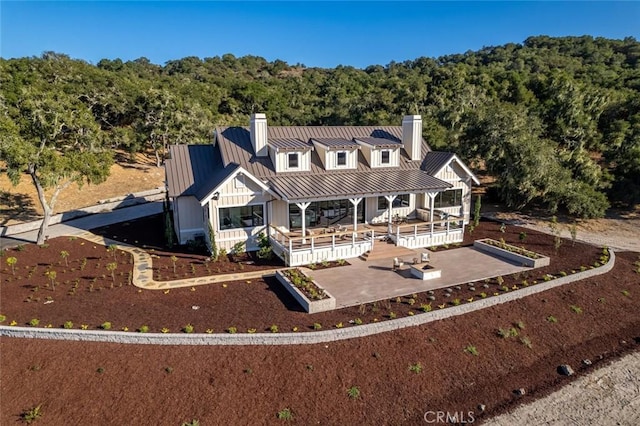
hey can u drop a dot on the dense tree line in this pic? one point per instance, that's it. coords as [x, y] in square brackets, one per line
[554, 120]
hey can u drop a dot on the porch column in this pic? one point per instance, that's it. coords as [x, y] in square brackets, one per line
[355, 202]
[432, 198]
[389, 199]
[303, 209]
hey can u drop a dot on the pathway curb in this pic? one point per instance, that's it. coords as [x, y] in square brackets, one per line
[221, 339]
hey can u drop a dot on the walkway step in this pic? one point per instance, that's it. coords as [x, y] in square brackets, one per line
[388, 251]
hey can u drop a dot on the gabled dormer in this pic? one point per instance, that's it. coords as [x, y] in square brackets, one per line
[337, 153]
[380, 152]
[290, 155]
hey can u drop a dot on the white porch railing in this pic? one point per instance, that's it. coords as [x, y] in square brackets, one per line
[428, 234]
[314, 248]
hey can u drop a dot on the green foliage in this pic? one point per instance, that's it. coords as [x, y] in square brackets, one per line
[471, 350]
[353, 392]
[34, 322]
[105, 325]
[32, 414]
[11, 261]
[476, 211]
[576, 309]
[285, 414]
[317, 326]
[188, 328]
[416, 368]
[67, 325]
[264, 251]
[143, 329]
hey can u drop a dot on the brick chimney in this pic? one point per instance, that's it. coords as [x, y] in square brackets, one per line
[258, 131]
[412, 136]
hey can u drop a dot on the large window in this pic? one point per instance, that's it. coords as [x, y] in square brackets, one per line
[293, 160]
[399, 201]
[325, 213]
[241, 217]
[385, 157]
[341, 158]
[450, 198]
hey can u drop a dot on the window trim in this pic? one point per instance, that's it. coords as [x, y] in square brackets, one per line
[290, 156]
[220, 217]
[382, 153]
[338, 153]
[381, 197]
[457, 201]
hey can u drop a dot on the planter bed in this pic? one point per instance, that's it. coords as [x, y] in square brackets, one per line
[326, 303]
[512, 253]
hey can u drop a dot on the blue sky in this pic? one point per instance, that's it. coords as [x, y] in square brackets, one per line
[323, 34]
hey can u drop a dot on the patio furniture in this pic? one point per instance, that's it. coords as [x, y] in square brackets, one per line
[424, 256]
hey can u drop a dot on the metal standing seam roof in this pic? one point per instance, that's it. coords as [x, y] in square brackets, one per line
[336, 143]
[235, 147]
[194, 170]
[317, 187]
[381, 142]
[434, 161]
[293, 144]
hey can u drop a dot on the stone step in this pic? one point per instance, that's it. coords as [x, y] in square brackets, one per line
[388, 251]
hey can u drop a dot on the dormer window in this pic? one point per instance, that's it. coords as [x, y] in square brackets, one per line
[385, 156]
[341, 158]
[293, 160]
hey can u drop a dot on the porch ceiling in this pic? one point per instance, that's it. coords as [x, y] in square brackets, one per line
[357, 184]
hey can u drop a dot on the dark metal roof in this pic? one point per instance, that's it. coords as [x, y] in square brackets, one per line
[235, 146]
[354, 184]
[194, 170]
[293, 144]
[434, 161]
[336, 143]
[381, 142]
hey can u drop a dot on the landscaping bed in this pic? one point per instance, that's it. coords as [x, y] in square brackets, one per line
[306, 291]
[398, 375]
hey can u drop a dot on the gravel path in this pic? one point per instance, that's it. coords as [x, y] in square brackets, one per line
[608, 396]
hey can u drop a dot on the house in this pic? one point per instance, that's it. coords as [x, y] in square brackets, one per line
[318, 192]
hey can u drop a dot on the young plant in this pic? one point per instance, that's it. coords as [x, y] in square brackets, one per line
[64, 255]
[111, 267]
[526, 341]
[232, 330]
[552, 319]
[426, 307]
[576, 309]
[471, 350]
[34, 322]
[273, 328]
[143, 329]
[113, 250]
[188, 328]
[174, 259]
[317, 326]
[285, 414]
[32, 414]
[68, 325]
[415, 368]
[522, 236]
[52, 277]
[353, 392]
[105, 325]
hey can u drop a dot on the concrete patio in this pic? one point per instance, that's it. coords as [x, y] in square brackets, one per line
[369, 281]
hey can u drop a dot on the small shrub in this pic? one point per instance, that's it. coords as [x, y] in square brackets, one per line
[32, 414]
[576, 309]
[426, 307]
[34, 322]
[520, 325]
[483, 295]
[341, 262]
[526, 341]
[100, 370]
[273, 328]
[3, 318]
[232, 330]
[339, 325]
[105, 325]
[392, 315]
[188, 328]
[626, 293]
[68, 325]
[317, 326]
[471, 350]
[285, 414]
[164, 330]
[357, 321]
[144, 329]
[455, 302]
[251, 330]
[415, 368]
[504, 333]
[168, 370]
[552, 319]
[353, 392]
[522, 236]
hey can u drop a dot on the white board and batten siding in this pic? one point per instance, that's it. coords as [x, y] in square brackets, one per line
[281, 160]
[456, 176]
[191, 219]
[238, 192]
[329, 158]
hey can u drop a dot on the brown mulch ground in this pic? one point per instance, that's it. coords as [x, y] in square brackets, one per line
[83, 382]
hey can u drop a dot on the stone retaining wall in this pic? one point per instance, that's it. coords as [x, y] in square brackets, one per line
[298, 338]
